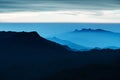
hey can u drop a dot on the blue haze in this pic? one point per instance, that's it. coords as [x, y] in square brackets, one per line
[63, 31]
[51, 29]
[93, 39]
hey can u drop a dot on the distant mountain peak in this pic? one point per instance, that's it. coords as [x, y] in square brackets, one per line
[90, 30]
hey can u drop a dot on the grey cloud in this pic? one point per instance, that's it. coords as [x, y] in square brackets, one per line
[51, 5]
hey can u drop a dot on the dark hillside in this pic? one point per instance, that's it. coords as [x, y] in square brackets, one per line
[28, 56]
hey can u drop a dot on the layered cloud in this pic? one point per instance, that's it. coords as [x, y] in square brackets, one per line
[60, 11]
[52, 5]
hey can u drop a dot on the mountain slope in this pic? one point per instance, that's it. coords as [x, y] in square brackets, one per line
[27, 40]
[92, 38]
[27, 56]
[72, 45]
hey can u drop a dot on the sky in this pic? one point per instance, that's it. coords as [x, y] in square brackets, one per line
[92, 11]
[52, 29]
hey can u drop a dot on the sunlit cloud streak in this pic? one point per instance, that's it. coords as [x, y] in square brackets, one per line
[62, 16]
[103, 11]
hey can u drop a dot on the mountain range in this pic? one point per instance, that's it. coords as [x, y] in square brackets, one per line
[92, 38]
[28, 56]
[71, 45]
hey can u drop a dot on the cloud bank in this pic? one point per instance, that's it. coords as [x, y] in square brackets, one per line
[60, 11]
[63, 16]
[53, 5]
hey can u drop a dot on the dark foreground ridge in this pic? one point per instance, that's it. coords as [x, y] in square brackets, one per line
[28, 56]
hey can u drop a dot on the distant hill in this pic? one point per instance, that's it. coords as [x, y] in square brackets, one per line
[28, 56]
[72, 45]
[111, 47]
[90, 30]
[92, 38]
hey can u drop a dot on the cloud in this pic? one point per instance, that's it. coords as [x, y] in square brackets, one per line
[60, 11]
[53, 5]
[103, 16]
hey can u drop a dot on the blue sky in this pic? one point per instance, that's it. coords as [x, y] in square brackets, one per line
[51, 29]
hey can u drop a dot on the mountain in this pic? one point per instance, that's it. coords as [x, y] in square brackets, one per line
[92, 38]
[28, 56]
[89, 72]
[72, 45]
[27, 40]
[90, 30]
[112, 47]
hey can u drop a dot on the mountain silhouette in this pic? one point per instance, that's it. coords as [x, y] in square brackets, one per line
[90, 30]
[92, 38]
[28, 56]
[27, 40]
[70, 44]
[25, 55]
[89, 72]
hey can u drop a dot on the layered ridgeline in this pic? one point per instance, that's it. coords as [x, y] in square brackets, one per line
[89, 39]
[28, 56]
[70, 44]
